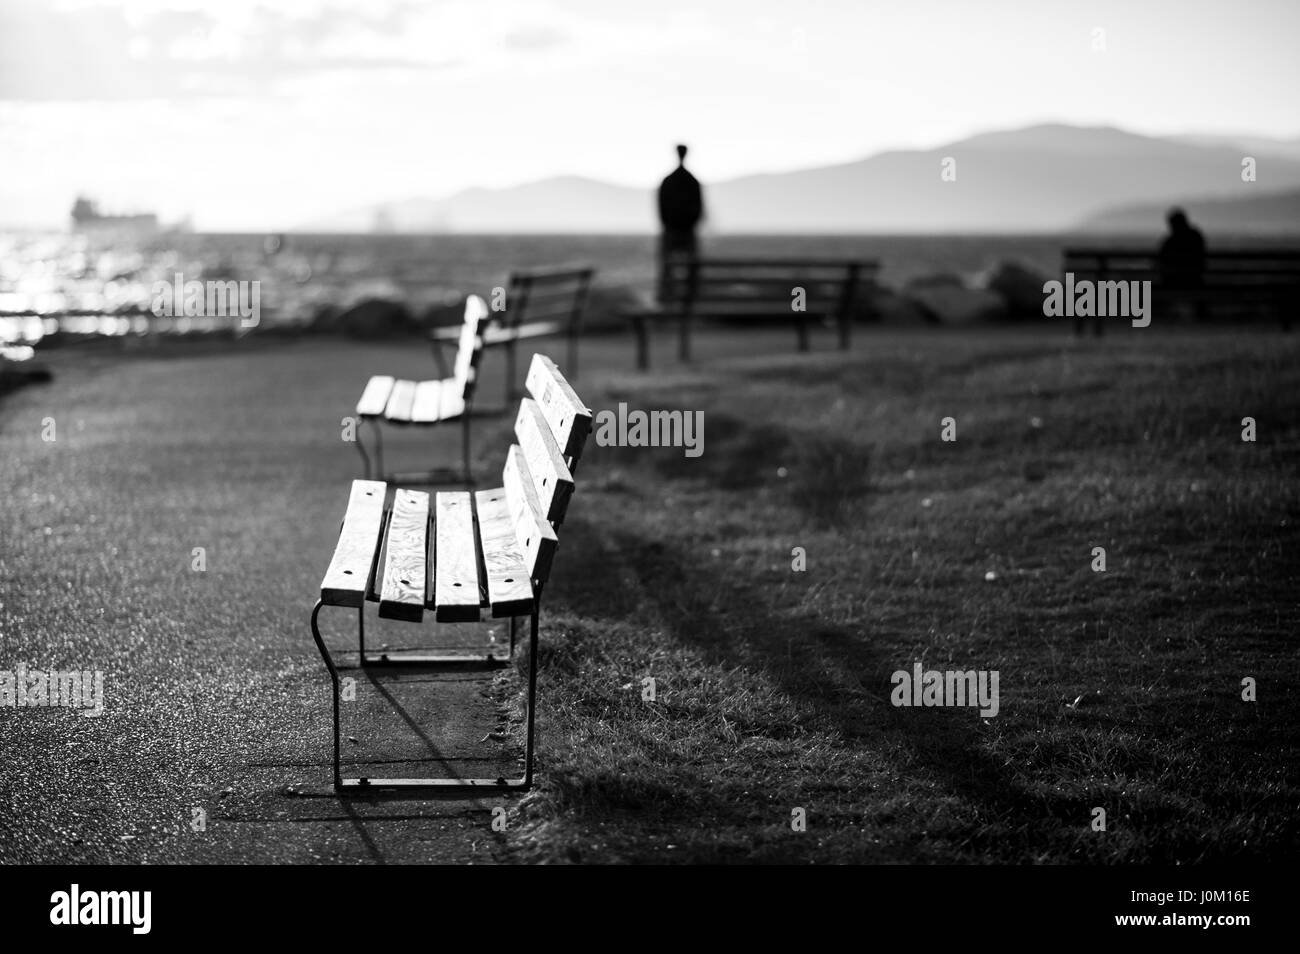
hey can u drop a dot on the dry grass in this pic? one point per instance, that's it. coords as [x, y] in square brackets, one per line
[773, 685]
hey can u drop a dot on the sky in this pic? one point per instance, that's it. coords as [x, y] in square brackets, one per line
[244, 115]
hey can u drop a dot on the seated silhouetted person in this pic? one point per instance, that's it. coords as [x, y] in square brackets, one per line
[681, 207]
[1182, 260]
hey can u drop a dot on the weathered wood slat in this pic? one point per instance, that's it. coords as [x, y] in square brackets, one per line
[551, 476]
[456, 592]
[510, 590]
[453, 403]
[399, 403]
[402, 593]
[537, 540]
[569, 419]
[353, 563]
[375, 397]
[426, 408]
[470, 349]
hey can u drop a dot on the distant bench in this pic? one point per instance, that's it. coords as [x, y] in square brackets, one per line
[1254, 279]
[539, 302]
[460, 555]
[389, 400]
[797, 291]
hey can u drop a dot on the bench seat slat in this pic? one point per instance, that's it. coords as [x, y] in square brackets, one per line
[352, 566]
[406, 549]
[456, 592]
[375, 397]
[399, 403]
[509, 587]
[426, 408]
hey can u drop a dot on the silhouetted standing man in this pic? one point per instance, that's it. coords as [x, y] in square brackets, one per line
[1182, 259]
[681, 207]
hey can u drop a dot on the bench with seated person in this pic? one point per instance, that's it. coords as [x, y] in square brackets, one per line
[1186, 276]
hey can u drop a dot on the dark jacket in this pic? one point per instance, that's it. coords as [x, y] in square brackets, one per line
[681, 201]
[1182, 257]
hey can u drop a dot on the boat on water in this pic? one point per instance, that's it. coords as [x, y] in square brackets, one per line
[87, 218]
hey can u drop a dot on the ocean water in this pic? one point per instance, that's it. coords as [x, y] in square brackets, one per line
[105, 285]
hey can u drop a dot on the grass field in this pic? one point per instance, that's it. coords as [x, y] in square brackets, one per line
[1119, 689]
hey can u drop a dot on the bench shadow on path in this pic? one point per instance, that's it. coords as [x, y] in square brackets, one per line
[393, 805]
[840, 672]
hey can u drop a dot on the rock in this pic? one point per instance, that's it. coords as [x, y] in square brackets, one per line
[16, 374]
[948, 301]
[377, 318]
[325, 319]
[890, 308]
[608, 306]
[1021, 288]
[444, 316]
[936, 280]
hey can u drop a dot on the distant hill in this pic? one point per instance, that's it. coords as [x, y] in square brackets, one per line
[1274, 213]
[1247, 145]
[1040, 178]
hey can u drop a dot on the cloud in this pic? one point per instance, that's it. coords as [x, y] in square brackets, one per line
[534, 38]
[99, 51]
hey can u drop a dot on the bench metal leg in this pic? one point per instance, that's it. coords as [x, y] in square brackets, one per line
[379, 449]
[532, 697]
[365, 783]
[361, 449]
[441, 475]
[464, 445]
[642, 343]
[684, 341]
[334, 682]
[510, 372]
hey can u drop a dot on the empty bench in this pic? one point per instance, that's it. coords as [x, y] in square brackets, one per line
[402, 402]
[539, 303]
[1252, 280]
[460, 556]
[798, 291]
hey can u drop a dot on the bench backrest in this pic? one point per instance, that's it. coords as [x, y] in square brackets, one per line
[1236, 268]
[551, 429]
[469, 348]
[546, 294]
[740, 287]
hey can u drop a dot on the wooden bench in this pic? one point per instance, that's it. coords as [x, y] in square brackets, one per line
[461, 555]
[754, 289]
[386, 399]
[1254, 279]
[539, 302]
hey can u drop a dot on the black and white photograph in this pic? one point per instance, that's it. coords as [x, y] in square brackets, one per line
[489, 432]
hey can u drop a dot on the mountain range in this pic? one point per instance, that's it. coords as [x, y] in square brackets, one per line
[1042, 178]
